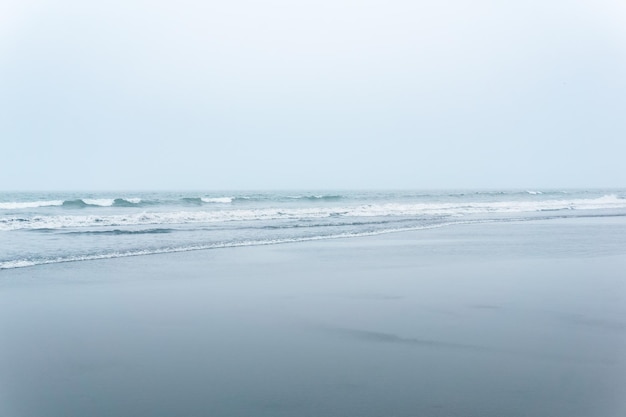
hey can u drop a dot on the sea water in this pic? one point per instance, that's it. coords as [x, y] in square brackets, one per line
[53, 227]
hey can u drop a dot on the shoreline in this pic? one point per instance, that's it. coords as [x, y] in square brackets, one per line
[614, 218]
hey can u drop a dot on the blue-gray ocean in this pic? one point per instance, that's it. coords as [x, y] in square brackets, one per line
[46, 228]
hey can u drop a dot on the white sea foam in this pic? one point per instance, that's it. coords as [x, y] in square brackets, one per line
[314, 197]
[14, 205]
[20, 263]
[222, 200]
[102, 202]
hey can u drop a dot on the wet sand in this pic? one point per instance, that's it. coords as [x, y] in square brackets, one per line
[517, 319]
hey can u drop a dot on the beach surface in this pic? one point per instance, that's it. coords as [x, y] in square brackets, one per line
[499, 319]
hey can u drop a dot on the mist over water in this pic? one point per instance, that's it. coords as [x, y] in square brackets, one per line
[43, 228]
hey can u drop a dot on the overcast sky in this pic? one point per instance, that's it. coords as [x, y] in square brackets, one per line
[312, 94]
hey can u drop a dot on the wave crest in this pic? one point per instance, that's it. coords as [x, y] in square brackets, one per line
[102, 202]
[18, 205]
[317, 197]
[126, 202]
[221, 200]
[209, 200]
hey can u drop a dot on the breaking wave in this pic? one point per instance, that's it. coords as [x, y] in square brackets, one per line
[15, 205]
[316, 197]
[102, 202]
[222, 200]
[208, 200]
[127, 202]
[76, 203]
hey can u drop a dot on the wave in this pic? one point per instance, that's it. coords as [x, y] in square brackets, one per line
[316, 197]
[117, 232]
[101, 202]
[221, 200]
[127, 202]
[192, 200]
[18, 205]
[198, 201]
[76, 203]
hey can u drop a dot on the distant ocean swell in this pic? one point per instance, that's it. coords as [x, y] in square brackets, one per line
[139, 202]
[224, 200]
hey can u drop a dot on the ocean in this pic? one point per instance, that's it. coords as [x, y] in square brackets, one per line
[55, 227]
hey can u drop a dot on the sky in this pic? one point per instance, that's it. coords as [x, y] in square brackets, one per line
[324, 94]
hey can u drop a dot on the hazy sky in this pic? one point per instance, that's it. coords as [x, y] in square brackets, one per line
[312, 94]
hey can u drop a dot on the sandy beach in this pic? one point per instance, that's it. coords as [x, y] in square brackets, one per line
[516, 319]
